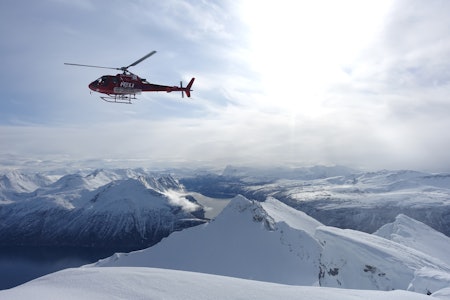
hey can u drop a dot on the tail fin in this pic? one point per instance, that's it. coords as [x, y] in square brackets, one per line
[188, 90]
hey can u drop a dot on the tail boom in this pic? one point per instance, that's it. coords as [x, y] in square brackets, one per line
[149, 87]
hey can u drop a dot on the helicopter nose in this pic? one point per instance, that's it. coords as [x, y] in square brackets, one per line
[92, 86]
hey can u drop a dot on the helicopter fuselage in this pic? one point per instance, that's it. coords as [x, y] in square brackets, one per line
[130, 84]
[119, 84]
[122, 88]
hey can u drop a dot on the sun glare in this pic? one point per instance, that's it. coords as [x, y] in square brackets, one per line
[301, 48]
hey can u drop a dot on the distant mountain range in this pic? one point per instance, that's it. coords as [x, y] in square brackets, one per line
[126, 209]
[339, 196]
[255, 235]
[135, 208]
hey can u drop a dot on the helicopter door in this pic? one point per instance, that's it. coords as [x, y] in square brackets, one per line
[115, 81]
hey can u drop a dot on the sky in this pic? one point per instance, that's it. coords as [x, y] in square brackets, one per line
[364, 84]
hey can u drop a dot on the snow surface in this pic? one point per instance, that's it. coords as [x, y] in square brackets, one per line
[443, 293]
[272, 242]
[269, 242]
[151, 283]
[280, 212]
[354, 259]
[258, 250]
[409, 232]
[243, 241]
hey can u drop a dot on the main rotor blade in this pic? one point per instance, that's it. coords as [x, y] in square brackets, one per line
[78, 65]
[139, 60]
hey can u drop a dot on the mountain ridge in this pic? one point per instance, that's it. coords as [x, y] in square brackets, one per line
[101, 209]
[265, 240]
[372, 199]
[246, 241]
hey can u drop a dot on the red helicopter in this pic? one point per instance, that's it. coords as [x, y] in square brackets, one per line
[123, 88]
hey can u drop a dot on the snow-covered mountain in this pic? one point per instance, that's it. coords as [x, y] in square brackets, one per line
[244, 241]
[339, 196]
[120, 208]
[353, 259]
[269, 241]
[416, 235]
[264, 250]
[15, 182]
[31, 205]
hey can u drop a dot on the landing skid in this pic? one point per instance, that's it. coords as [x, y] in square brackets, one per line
[124, 99]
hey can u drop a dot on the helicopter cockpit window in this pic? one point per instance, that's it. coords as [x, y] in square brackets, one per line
[102, 81]
[98, 81]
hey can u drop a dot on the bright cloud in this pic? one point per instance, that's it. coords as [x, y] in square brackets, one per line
[360, 83]
[301, 48]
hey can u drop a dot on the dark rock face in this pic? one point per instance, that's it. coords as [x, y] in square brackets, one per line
[100, 210]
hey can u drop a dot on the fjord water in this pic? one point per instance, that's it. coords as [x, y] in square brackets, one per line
[21, 264]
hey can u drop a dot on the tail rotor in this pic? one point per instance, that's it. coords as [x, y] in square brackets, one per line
[186, 89]
[182, 90]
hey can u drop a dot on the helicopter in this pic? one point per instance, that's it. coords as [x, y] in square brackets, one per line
[123, 88]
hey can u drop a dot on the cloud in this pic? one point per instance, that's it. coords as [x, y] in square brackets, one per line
[238, 138]
[192, 40]
[359, 84]
[179, 199]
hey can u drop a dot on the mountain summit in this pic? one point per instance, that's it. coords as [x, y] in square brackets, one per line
[270, 241]
[244, 241]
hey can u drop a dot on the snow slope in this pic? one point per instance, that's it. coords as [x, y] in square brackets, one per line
[414, 234]
[243, 241]
[270, 241]
[150, 283]
[353, 259]
[15, 182]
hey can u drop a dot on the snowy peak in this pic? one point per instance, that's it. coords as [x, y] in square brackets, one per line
[104, 176]
[92, 180]
[270, 241]
[142, 193]
[243, 241]
[280, 212]
[127, 193]
[71, 182]
[403, 226]
[417, 235]
[353, 259]
[17, 182]
[269, 213]
[161, 183]
[252, 210]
